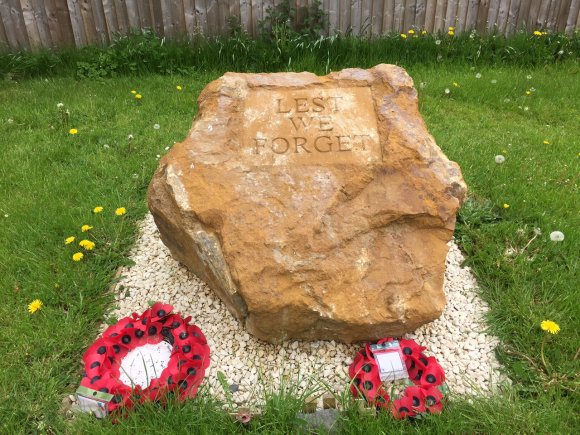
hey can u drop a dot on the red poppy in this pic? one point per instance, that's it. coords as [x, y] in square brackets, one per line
[433, 399]
[433, 374]
[402, 408]
[417, 398]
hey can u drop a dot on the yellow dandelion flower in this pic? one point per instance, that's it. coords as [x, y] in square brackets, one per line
[73, 131]
[537, 33]
[87, 244]
[134, 92]
[546, 142]
[179, 88]
[138, 96]
[451, 33]
[423, 32]
[86, 228]
[69, 240]
[528, 92]
[456, 84]
[34, 306]
[451, 28]
[506, 206]
[411, 32]
[97, 209]
[78, 256]
[403, 36]
[550, 326]
[120, 211]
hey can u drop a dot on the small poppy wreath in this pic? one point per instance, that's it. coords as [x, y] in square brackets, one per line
[424, 372]
[182, 376]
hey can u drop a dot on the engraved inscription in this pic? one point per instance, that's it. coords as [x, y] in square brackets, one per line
[311, 125]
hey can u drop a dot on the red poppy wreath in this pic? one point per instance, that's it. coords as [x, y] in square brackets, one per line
[425, 374]
[181, 376]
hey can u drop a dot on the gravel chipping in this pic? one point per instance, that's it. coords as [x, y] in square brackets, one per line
[457, 339]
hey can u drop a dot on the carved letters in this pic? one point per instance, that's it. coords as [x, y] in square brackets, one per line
[305, 124]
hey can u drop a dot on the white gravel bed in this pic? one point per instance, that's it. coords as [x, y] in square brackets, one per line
[457, 339]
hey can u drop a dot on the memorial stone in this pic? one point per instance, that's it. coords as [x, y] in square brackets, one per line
[315, 207]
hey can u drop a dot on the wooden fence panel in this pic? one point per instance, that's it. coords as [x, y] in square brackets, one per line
[560, 19]
[420, 11]
[451, 14]
[399, 16]
[461, 15]
[33, 24]
[409, 14]
[388, 15]
[573, 15]
[552, 14]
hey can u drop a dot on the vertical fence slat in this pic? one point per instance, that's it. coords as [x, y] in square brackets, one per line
[578, 21]
[255, 10]
[168, 29]
[110, 18]
[41, 19]
[88, 21]
[366, 14]
[440, 10]
[409, 14]
[266, 5]
[398, 16]
[388, 15]
[532, 22]
[543, 13]
[10, 26]
[178, 18]
[523, 14]
[355, 17]
[430, 15]
[471, 17]
[30, 24]
[482, 16]
[133, 14]
[451, 14]
[144, 14]
[333, 16]
[189, 13]
[562, 15]
[512, 18]
[213, 18]
[344, 16]
[100, 23]
[492, 15]
[552, 14]
[376, 14]
[246, 15]
[4, 44]
[502, 16]
[157, 18]
[76, 20]
[59, 23]
[462, 14]
[420, 11]
[573, 13]
[122, 18]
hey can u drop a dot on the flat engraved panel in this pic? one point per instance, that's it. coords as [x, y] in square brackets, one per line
[310, 126]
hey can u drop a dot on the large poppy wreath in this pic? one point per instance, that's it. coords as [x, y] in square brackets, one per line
[182, 375]
[425, 373]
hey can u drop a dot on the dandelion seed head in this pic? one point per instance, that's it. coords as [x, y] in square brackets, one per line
[556, 236]
[499, 159]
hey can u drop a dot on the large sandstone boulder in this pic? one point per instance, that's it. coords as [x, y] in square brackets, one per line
[315, 207]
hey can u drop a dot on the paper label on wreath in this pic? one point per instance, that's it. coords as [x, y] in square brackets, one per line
[93, 401]
[389, 358]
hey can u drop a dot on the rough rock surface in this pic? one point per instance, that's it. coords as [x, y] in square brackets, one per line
[314, 207]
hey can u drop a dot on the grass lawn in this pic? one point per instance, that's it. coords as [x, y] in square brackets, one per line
[50, 180]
